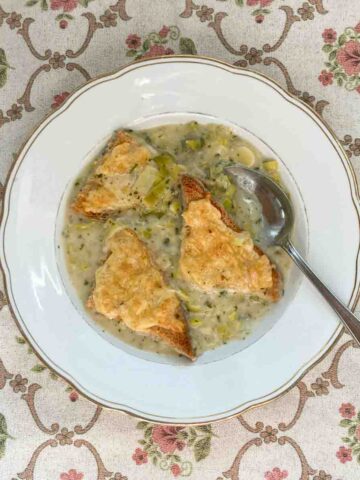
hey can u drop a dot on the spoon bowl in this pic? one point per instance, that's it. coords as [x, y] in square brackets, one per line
[277, 211]
[278, 221]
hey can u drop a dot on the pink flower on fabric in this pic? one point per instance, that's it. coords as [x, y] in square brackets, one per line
[329, 35]
[349, 57]
[326, 78]
[59, 99]
[265, 3]
[133, 41]
[66, 5]
[73, 396]
[157, 50]
[140, 456]
[72, 475]
[347, 410]
[166, 436]
[344, 454]
[175, 469]
[276, 474]
[164, 31]
[251, 3]
[357, 433]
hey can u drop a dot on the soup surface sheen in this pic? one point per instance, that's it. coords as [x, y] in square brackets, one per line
[202, 151]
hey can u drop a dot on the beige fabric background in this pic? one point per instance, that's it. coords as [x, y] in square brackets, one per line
[48, 48]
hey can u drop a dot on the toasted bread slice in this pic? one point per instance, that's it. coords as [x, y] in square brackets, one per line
[213, 256]
[110, 189]
[130, 288]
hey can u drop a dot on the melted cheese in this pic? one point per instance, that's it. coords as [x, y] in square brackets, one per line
[129, 287]
[213, 256]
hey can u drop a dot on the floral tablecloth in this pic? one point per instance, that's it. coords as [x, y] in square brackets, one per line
[47, 49]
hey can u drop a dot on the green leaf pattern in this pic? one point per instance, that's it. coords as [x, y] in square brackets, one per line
[202, 448]
[38, 368]
[187, 46]
[42, 3]
[3, 435]
[4, 66]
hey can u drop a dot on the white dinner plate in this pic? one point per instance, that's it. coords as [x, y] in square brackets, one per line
[286, 343]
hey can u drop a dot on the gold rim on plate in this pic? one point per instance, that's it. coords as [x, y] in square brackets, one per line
[354, 189]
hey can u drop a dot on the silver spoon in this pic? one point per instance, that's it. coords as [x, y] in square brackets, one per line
[278, 218]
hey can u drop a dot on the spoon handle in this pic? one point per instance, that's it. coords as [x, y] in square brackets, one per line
[346, 316]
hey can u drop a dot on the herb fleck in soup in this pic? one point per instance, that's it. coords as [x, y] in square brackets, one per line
[202, 151]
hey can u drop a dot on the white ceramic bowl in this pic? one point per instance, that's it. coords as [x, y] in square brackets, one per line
[227, 380]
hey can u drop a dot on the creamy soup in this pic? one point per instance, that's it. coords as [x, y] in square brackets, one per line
[202, 151]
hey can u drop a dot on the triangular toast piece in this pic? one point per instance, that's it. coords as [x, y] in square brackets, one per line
[216, 253]
[131, 288]
[110, 189]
